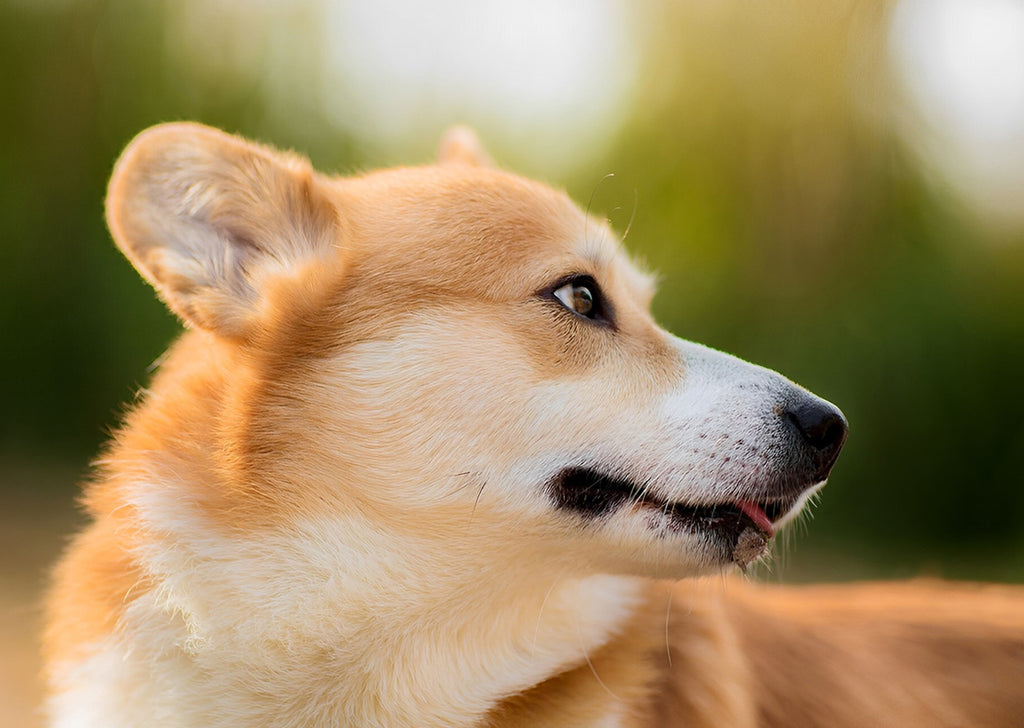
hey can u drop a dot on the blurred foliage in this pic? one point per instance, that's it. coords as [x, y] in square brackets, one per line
[788, 222]
[83, 78]
[793, 230]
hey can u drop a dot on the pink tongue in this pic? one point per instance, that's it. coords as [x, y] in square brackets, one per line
[756, 514]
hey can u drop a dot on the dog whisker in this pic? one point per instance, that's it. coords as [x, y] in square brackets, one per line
[540, 613]
[590, 663]
[459, 488]
[476, 502]
[668, 615]
[632, 216]
[590, 204]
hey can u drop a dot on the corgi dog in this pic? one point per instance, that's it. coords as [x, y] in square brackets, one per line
[423, 458]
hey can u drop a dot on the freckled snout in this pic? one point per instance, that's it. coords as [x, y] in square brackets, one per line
[822, 430]
[748, 432]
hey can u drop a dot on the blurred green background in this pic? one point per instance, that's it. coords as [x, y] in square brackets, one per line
[832, 188]
[802, 173]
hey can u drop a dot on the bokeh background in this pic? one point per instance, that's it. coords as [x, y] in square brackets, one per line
[832, 188]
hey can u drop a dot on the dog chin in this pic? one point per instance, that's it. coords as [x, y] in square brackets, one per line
[736, 546]
[642, 542]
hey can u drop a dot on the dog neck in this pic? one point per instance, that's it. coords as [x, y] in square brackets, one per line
[370, 629]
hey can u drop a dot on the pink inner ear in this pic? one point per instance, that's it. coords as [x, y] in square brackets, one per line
[206, 217]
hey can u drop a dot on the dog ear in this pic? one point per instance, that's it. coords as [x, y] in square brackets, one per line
[206, 217]
[460, 145]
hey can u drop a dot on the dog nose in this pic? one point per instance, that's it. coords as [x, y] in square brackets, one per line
[822, 427]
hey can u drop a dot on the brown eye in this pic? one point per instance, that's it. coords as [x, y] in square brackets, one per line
[578, 297]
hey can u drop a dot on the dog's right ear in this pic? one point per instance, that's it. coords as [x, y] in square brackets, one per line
[461, 145]
[206, 217]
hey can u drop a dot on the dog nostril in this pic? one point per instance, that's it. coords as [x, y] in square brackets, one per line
[823, 426]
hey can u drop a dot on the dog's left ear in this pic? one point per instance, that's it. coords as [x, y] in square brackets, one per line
[460, 145]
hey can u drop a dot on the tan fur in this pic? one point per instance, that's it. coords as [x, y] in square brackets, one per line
[328, 507]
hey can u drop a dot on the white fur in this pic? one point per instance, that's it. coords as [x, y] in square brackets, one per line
[285, 613]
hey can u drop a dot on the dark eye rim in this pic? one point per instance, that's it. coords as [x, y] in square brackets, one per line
[601, 313]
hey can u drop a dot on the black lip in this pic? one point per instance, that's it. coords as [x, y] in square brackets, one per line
[592, 494]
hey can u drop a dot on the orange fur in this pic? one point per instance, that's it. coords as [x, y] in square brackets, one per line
[324, 511]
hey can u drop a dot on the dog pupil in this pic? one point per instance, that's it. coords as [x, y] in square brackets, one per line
[583, 299]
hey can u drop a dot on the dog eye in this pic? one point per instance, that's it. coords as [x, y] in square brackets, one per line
[581, 296]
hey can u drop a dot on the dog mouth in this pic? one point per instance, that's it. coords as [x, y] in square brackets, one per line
[744, 526]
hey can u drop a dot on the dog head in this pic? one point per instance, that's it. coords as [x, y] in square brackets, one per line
[452, 350]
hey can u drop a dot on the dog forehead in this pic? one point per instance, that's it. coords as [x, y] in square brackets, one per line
[461, 224]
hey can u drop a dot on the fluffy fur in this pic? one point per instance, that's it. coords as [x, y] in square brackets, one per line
[398, 472]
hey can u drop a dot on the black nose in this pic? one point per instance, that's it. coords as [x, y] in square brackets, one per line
[822, 427]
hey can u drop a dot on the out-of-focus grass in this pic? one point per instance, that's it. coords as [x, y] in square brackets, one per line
[36, 515]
